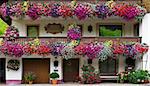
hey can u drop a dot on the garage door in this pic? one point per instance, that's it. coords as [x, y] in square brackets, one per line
[39, 66]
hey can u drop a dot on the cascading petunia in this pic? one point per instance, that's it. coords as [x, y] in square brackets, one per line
[11, 33]
[56, 48]
[80, 49]
[92, 50]
[68, 52]
[65, 11]
[55, 10]
[118, 49]
[16, 10]
[4, 9]
[33, 11]
[12, 49]
[74, 32]
[83, 11]
[130, 51]
[105, 53]
[103, 11]
[43, 50]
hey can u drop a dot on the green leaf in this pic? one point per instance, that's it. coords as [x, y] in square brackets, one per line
[3, 27]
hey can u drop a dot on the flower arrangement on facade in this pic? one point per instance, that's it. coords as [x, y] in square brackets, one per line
[12, 49]
[45, 10]
[105, 53]
[65, 11]
[34, 11]
[128, 11]
[118, 49]
[11, 33]
[31, 47]
[140, 49]
[55, 10]
[80, 49]
[74, 33]
[4, 10]
[43, 50]
[16, 10]
[29, 50]
[92, 49]
[103, 11]
[130, 51]
[83, 11]
[89, 76]
[56, 48]
[68, 52]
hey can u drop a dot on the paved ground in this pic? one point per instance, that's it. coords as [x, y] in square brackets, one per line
[102, 84]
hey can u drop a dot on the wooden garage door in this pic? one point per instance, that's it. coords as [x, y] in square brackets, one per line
[39, 66]
[70, 70]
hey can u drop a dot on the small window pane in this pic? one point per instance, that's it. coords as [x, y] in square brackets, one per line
[32, 31]
[136, 29]
[110, 30]
[108, 67]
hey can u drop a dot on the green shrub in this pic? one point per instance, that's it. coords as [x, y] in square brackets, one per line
[138, 76]
[29, 76]
[54, 75]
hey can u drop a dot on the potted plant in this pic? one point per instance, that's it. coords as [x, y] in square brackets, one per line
[54, 76]
[29, 77]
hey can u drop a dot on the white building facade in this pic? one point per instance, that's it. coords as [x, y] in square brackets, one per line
[39, 64]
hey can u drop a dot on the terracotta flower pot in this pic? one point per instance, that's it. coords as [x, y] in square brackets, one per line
[30, 82]
[54, 81]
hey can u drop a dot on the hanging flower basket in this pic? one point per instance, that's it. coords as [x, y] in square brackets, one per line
[74, 33]
[12, 49]
[13, 65]
[56, 48]
[11, 33]
[68, 52]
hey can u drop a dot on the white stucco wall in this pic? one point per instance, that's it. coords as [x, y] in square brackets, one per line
[21, 25]
[59, 68]
[14, 75]
[145, 34]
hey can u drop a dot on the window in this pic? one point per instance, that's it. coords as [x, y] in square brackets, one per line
[108, 67]
[32, 31]
[110, 30]
[136, 29]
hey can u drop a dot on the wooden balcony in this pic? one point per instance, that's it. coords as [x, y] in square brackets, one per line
[83, 39]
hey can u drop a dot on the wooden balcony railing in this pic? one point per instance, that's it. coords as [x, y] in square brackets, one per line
[83, 39]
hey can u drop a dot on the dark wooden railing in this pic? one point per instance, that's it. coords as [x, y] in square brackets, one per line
[83, 39]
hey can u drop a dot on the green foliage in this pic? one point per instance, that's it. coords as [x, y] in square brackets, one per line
[123, 76]
[54, 75]
[138, 76]
[109, 32]
[3, 27]
[89, 76]
[29, 76]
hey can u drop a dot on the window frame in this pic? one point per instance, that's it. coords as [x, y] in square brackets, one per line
[136, 33]
[100, 24]
[109, 66]
[27, 29]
